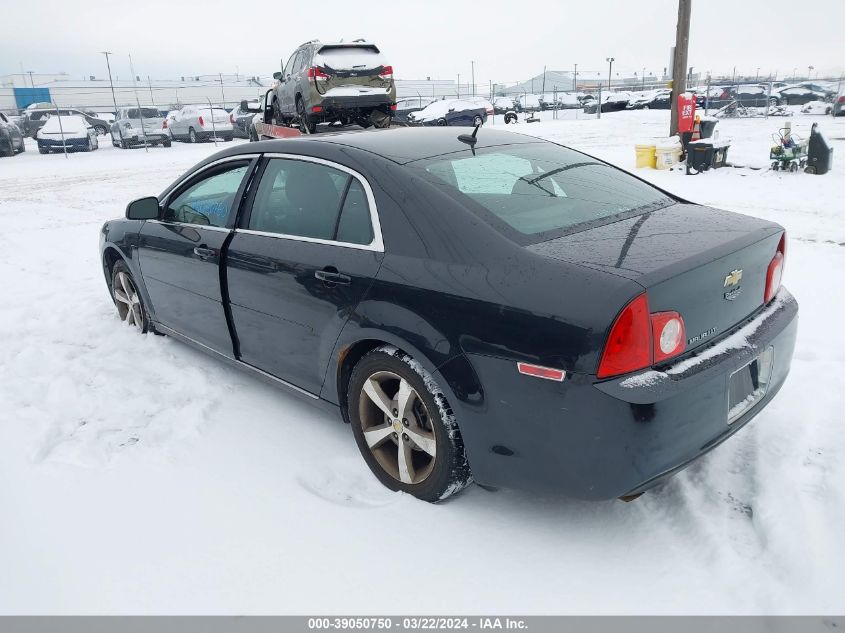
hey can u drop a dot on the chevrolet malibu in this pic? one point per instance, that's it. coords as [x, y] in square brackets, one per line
[489, 307]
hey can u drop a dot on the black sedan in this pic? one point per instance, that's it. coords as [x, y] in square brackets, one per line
[11, 137]
[499, 308]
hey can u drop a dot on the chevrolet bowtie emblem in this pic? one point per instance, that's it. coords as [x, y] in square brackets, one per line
[733, 278]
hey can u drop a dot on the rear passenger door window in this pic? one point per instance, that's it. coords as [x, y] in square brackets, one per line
[302, 199]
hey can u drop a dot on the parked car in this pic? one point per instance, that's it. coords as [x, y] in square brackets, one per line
[406, 105]
[136, 127]
[108, 117]
[200, 123]
[34, 118]
[568, 101]
[346, 82]
[11, 137]
[450, 112]
[611, 102]
[528, 103]
[501, 105]
[71, 132]
[481, 102]
[799, 95]
[839, 103]
[651, 100]
[241, 120]
[817, 107]
[508, 311]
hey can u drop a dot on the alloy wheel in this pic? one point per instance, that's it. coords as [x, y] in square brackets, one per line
[397, 427]
[127, 300]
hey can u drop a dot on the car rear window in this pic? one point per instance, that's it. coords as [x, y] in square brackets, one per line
[147, 113]
[349, 57]
[534, 192]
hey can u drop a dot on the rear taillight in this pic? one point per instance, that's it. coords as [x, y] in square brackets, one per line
[774, 274]
[316, 108]
[164, 124]
[667, 330]
[232, 119]
[638, 339]
[202, 123]
[393, 107]
[386, 72]
[628, 347]
[317, 74]
[841, 99]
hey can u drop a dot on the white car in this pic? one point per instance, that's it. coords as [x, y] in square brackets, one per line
[136, 127]
[72, 133]
[200, 123]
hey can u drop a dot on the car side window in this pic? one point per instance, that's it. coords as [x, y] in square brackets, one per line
[305, 199]
[301, 60]
[209, 201]
[289, 66]
[355, 226]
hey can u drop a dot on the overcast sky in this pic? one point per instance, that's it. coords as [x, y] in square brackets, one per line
[508, 41]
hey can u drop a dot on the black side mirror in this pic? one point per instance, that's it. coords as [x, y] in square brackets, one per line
[245, 107]
[143, 209]
[277, 75]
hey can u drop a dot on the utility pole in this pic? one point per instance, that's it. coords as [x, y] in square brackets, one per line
[544, 81]
[810, 72]
[643, 79]
[138, 102]
[150, 84]
[610, 61]
[31, 82]
[222, 94]
[459, 85]
[113, 98]
[679, 64]
[473, 78]
[575, 79]
[757, 76]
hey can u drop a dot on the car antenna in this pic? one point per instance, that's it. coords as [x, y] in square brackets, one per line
[470, 139]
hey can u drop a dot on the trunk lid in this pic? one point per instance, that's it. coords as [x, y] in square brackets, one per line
[709, 265]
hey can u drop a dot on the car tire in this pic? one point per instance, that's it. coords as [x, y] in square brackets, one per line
[306, 125]
[441, 122]
[192, 135]
[773, 103]
[426, 458]
[124, 144]
[127, 299]
[167, 143]
[646, 107]
[43, 150]
[477, 121]
[89, 147]
[23, 145]
[100, 130]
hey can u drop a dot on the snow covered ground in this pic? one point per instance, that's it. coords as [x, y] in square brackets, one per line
[139, 476]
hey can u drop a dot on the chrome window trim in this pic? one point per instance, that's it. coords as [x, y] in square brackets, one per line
[377, 243]
[207, 227]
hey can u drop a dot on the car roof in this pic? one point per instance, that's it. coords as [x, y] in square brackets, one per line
[400, 145]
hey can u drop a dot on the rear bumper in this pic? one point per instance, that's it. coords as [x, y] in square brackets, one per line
[70, 143]
[357, 102]
[602, 440]
[151, 138]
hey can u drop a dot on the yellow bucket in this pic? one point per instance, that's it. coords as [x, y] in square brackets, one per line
[646, 156]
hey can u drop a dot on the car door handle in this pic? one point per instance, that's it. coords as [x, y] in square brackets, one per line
[329, 275]
[204, 253]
